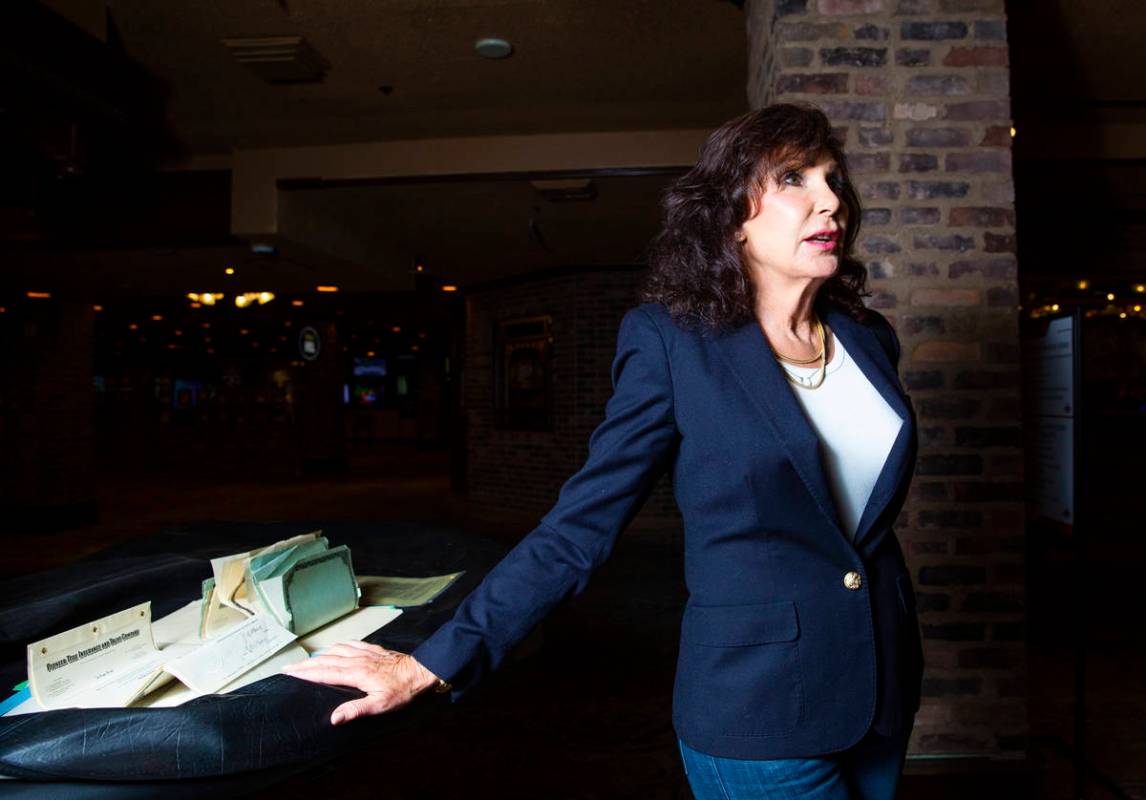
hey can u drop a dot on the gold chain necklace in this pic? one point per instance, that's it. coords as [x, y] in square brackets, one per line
[816, 379]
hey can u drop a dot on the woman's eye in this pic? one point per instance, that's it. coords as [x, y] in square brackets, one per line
[792, 179]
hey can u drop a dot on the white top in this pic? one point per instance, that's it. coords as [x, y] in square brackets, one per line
[856, 427]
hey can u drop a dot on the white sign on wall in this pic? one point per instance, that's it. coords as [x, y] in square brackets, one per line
[1049, 362]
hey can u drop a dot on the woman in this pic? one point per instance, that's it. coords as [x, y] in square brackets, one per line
[757, 376]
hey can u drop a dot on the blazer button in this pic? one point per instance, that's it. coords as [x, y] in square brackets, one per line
[853, 581]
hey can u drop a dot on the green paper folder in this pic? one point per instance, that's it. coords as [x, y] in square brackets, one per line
[306, 586]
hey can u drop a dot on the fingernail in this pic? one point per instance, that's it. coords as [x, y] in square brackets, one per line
[336, 718]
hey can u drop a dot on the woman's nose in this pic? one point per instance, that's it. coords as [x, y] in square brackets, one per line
[827, 201]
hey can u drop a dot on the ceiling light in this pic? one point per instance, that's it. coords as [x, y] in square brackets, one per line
[157, 318]
[449, 288]
[326, 289]
[493, 48]
[296, 303]
[266, 297]
[97, 309]
[39, 295]
[229, 271]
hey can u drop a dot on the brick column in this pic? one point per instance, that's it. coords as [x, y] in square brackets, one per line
[919, 91]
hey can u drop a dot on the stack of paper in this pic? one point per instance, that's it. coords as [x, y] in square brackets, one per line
[260, 610]
[114, 661]
[301, 582]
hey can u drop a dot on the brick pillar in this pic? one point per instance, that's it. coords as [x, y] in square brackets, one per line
[919, 90]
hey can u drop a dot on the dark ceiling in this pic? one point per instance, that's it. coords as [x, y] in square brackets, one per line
[579, 65]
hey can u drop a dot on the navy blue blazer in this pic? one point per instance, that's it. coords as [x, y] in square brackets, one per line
[779, 657]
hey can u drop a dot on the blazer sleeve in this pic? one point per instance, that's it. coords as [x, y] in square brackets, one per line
[627, 453]
[887, 337]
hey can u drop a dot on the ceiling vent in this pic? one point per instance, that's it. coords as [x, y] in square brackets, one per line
[279, 59]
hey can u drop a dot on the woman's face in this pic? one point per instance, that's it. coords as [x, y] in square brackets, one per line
[797, 230]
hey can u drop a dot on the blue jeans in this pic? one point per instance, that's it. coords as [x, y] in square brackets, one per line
[868, 771]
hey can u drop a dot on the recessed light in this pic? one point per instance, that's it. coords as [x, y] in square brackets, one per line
[493, 48]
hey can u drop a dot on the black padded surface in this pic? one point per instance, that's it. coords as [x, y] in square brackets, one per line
[255, 735]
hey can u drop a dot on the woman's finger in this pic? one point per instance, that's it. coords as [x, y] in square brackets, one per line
[363, 706]
[366, 646]
[333, 675]
[315, 662]
[344, 650]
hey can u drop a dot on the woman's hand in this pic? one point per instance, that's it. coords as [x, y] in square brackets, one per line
[390, 679]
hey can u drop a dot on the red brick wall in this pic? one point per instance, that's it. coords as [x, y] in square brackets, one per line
[513, 470]
[919, 90]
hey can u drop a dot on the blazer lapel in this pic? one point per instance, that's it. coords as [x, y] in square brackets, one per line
[747, 354]
[863, 346]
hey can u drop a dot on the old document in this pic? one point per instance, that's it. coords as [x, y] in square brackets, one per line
[403, 592]
[113, 661]
[106, 662]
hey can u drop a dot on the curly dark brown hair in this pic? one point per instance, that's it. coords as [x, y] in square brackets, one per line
[695, 265]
